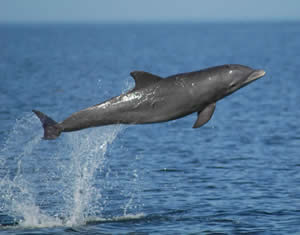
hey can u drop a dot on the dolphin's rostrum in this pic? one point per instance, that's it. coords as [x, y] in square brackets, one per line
[155, 99]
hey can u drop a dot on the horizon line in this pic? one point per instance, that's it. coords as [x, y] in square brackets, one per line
[198, 21]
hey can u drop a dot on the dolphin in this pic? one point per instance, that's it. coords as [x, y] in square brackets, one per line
[155, 99]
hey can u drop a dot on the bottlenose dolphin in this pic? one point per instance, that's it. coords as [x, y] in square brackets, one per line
[155, 99]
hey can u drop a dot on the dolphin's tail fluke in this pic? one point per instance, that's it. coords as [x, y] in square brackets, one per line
[51, 128]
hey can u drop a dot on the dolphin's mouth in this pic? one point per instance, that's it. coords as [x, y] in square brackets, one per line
[256, 74]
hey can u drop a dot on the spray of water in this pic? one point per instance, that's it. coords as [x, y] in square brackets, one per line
[54, 183]
[87, 153]
[17, 197]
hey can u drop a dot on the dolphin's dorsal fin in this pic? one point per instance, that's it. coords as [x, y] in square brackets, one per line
[205, 115]
[144, 79]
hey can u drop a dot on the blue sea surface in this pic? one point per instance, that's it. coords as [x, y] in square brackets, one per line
[238, 174]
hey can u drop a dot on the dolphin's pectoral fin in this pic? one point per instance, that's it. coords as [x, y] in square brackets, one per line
[205, 115]
[144, 79]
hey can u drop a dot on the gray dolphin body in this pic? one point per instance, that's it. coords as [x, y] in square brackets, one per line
[155, 99]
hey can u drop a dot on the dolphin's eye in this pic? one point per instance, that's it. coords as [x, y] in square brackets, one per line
[233, 84]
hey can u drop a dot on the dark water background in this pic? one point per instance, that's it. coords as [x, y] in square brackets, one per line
[239, 174]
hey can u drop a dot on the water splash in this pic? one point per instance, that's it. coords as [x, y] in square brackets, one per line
[54, 183]
[17, 199]
[87, 153]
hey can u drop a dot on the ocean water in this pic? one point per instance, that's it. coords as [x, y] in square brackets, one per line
[238, 174]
